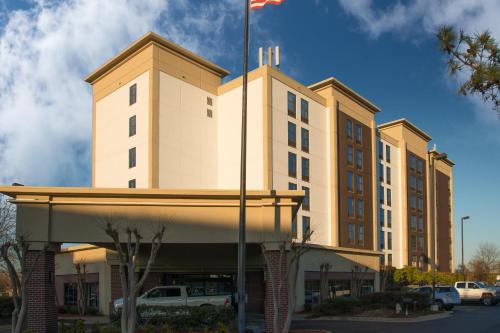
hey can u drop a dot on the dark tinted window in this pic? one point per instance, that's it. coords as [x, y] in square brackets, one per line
[461, 285]
[304, 110]
[131, 183]
[292, 106]
[131, 157]
[132, 94]
[171, 292]
[444, 289]
[292, 134]
[304, 139]
[292, 165]
[132, 126]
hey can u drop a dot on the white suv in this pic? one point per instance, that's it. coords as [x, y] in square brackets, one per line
[477, 291]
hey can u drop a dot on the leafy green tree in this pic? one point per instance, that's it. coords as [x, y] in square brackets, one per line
[408, 275]
[478, 55]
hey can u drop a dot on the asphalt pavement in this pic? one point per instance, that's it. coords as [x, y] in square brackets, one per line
[465, 319]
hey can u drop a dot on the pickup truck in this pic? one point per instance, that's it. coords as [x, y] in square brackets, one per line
[477, 292]
[176, 296]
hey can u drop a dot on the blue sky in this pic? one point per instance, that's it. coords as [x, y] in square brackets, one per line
[385, 50]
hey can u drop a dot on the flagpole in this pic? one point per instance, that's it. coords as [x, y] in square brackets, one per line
[243, 175]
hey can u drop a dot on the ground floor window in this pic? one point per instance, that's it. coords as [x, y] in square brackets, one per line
[336, 288]
[92, 294]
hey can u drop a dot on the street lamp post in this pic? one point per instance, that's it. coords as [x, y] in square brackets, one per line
[433, 157]
[463, 263]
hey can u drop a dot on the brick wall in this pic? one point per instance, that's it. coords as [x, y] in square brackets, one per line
[274, 263]
[42, 312]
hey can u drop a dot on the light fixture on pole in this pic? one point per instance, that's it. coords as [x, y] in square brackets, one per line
[462, 225]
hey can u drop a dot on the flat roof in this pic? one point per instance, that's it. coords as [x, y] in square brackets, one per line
[331, 81]
[144, 40]
[406, 123]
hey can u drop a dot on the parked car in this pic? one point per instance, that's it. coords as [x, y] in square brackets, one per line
[474, 291]
[176, 296]
[497, 283]
[446, 296]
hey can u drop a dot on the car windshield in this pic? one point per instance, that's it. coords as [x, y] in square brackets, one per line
[481, 284]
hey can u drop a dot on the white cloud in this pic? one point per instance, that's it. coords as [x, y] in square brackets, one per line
[45, 107]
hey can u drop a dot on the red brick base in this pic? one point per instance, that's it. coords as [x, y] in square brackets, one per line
[42, 312]
[274, 262]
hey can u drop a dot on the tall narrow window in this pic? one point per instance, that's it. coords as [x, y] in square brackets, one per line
[419, 185]
[306, 225]
[349, 128]
[411, 161]
[359, 134]
[413, 222]
[350, 207]
[359, 159]
[381, 216]
[292, 136]
[389, 197]
[349, 155]
[389, 260]
[304, 110]
[350, 181]
[132, 96]
[388, 175]
[388, 153]
[361, 234]
[292, 105]
[304, 140]
[381, 172]
[420, 243]
[420, 204]
[359, 184]
[381, 194]
[292, 165]
[131, 157]
[305, 169]
[413, 243]
[420, 224]
[413, 201]
[389, 240]
[131, 183]
[381, 239]
[359, 207]
[389, 218]
[351, 233]
[420, 166]
[380, 150]
[306, 203]
[132, 126]
[412, 182]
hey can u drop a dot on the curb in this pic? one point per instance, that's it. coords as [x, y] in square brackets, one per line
[389, 320]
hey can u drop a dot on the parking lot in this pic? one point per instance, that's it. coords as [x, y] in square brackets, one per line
[466, 319]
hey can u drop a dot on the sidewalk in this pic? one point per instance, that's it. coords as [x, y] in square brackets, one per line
[385, 319]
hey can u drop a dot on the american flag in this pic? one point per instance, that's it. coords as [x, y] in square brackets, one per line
[258, 4]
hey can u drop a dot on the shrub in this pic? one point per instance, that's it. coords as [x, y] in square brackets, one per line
[339, 306]
[389, 299]
[6, 307]
[95, 328]
[110, 329]
[78, 326]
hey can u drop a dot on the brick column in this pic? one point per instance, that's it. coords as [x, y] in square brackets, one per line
[42, 312]
[274, 262]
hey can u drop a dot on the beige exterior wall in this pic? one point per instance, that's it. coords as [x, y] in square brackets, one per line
[229, 137]
[187, 136]
[318, 155]
[112, 141]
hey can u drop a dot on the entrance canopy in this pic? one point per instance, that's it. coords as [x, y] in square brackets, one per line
[79, 215]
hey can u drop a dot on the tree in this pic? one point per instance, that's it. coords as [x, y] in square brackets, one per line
[323, 282]
[357, 279]
[19, 278]
[287, 277]
[7, 229]
[127, 255]
[408, 275]
[81, 280]
[478, 55]
[485, 261]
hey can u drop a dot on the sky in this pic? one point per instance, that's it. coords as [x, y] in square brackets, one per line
[384, 50]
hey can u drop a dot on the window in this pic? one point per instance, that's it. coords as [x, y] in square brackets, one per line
[306, 225]
[381, 216]
[381, 194]
[359, 159]
[381, 172]
[420, 204]
[292, 165]
[305, 169]
[389, 197]
[351, 233]
[388, 153]
[381, 240]
[413, 243]
[389, 218]
[413, 222]
[414, 261]
[359, 184]
[209, 101]
[361, 235]
[412, 182]
[461, 285]
[210, 113]
[413, 202]
[304, 139]
[132, 96]
[420, 224]
[388, 175]
[420, 166]
[70, 293]
[420, 243]
[411, 161]
[292, 186]
[389, 259]
[381, 150]
[304, 110]
[131, 157]
[292, 105]
[359, 134]
[350, 181]
[419, 185]
[359, 207]
[350, 207]
[172, 292]
[349, 155]
[389, 240]
[131, 183]
[349, 128]
[292, 136]
[306, 203]
[131, 126]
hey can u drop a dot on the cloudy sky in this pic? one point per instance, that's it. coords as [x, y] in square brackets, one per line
[386, 50]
